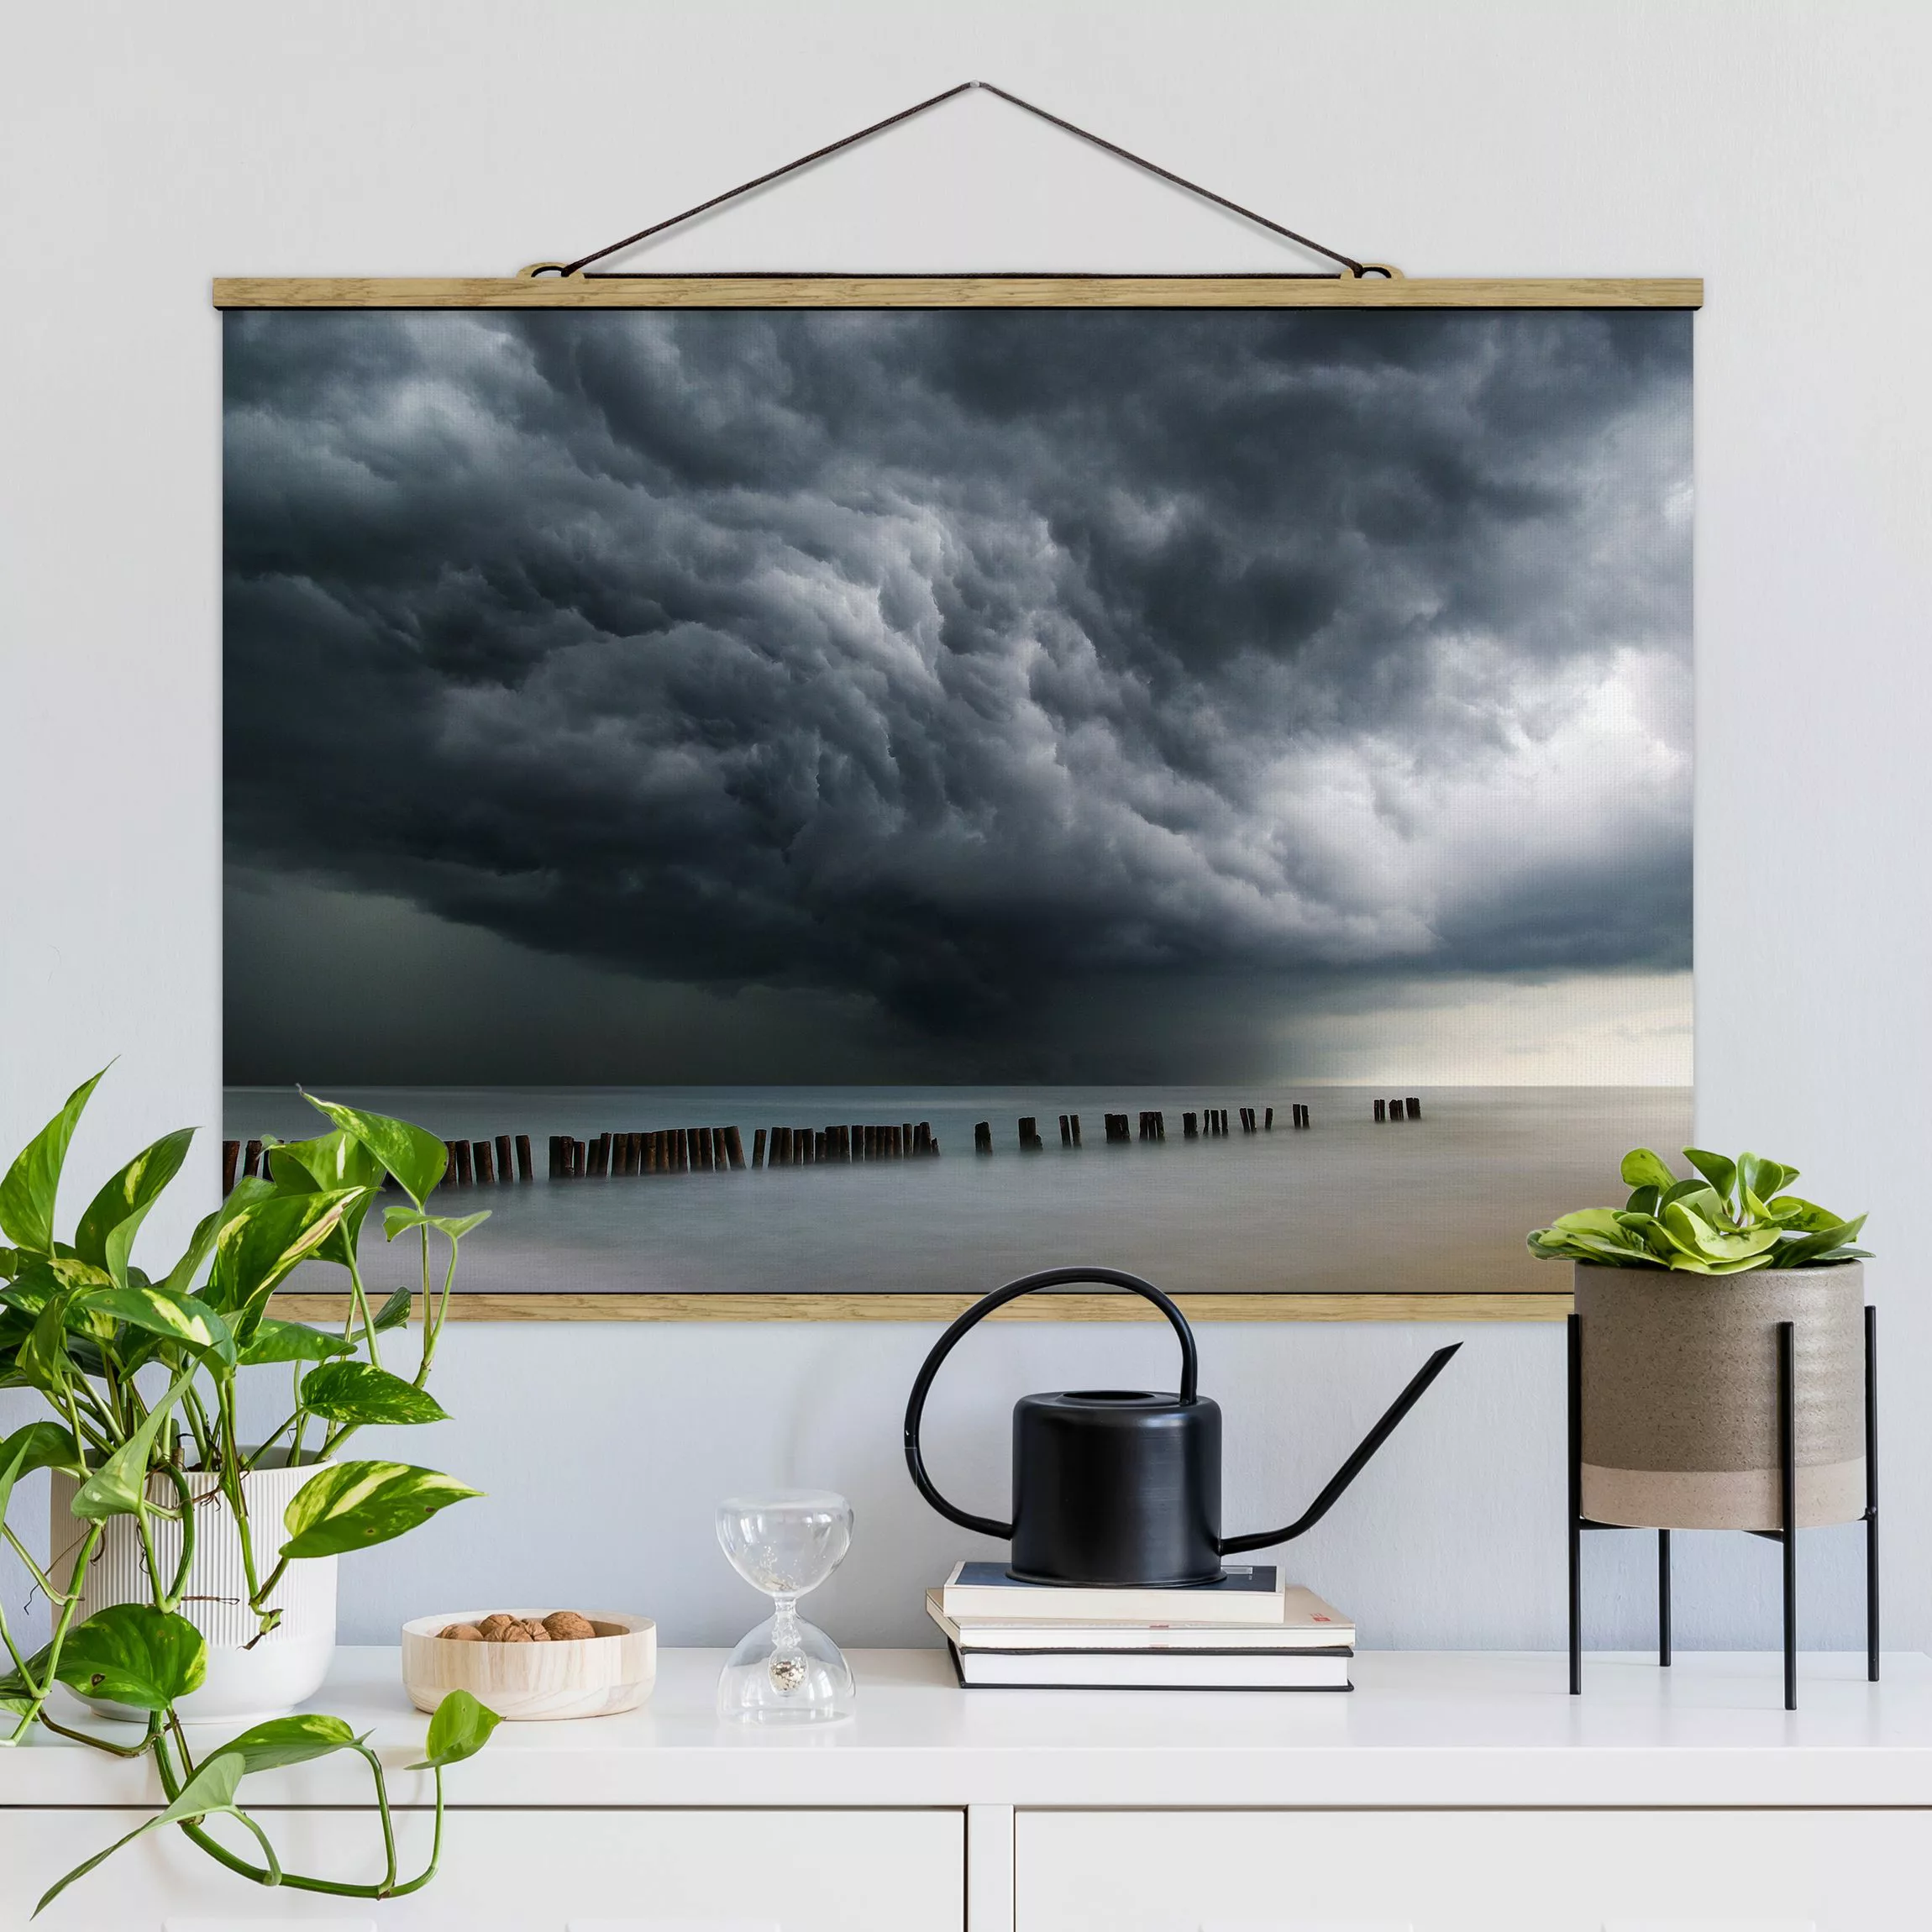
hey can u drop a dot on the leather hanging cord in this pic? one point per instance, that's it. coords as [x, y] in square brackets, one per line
[1348, 262]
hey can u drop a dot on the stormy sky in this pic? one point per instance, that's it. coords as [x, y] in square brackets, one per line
[927, 697]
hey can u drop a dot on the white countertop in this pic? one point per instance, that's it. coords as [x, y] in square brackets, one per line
[1422, 1728]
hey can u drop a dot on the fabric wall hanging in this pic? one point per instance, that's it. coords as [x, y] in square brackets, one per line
[950, 775]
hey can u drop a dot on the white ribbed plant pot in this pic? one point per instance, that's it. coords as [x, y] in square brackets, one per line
[246, 1682]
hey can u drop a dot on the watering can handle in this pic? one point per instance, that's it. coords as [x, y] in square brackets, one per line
[1048, 1278]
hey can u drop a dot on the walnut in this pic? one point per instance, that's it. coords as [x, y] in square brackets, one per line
[515, 1634]
[461, 1633]
[534, 1630]
[492, 1627]
[567, 1626]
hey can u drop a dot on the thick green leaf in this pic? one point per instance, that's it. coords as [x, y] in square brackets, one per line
[1589, 1220]
[414, 1155]
[394, 1312]
[106, 1235]
[1757, 1211]
[276, 1341]
[245, 1195]
[43, 1360]
[1696, 1233]
[460, 1729]
[1649, 1231]
[1620, 1253]
[210, 1790]
[117, 1487]
[136, 1655]
[27, 1194]
[400, 1219]
[1716, 1169]
[354, 1392]
[34, 1284]
[1807, 1216]
[295, 1739]
[39, 1445]
[1765, 1178]
[1809, 1248]
[327, 1165]
[1642, 1168]
[14, 1684]
[261, 1249]
[1696, 1264]
[192, 1323]
[356, 1504]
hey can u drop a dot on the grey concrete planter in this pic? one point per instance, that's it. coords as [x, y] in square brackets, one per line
[1680, 1395]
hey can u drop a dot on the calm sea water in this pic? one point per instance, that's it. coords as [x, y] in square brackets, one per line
[1439, 1203]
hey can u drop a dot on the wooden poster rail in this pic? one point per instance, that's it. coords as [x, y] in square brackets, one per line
[533, 290]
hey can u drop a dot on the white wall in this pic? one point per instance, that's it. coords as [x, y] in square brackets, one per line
[1780, 151]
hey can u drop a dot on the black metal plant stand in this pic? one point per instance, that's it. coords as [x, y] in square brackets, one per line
[1787, 1536]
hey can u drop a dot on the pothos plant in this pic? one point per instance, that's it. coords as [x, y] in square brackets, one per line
[139, 1373]
[1726, 1217]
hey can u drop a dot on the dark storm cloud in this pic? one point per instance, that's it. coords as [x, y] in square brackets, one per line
[932, 657]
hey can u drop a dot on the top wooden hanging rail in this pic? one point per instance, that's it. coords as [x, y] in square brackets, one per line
[581, 290]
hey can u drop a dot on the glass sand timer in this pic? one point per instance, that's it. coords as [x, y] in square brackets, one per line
[786, 1670]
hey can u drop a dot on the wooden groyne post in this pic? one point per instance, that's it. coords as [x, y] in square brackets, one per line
[982, 1137]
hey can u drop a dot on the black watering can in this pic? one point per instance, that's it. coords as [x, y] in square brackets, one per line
[1116, 1487]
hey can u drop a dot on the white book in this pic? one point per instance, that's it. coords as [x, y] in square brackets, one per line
[1308, 1624]
[1249, 1594]
[1147, 1670]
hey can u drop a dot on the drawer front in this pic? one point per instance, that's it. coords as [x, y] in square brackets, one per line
[512, 1871]
[1472, 1872]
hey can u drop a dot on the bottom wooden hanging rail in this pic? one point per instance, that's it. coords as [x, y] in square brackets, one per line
[833, 1306]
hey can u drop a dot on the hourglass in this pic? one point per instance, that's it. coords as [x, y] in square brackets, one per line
[785, 1671]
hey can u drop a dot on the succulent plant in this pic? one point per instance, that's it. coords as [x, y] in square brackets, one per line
[1727, 1218]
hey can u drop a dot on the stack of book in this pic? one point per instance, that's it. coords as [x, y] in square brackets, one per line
[1250, 1631]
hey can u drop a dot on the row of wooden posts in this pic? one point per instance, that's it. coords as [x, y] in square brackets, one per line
[1210, 1123]
[721, 1150]
[506, 1159]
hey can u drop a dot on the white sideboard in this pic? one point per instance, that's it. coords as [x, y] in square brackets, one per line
[1449, 1794]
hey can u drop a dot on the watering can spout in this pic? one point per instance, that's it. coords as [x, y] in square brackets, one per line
[1337, 1483]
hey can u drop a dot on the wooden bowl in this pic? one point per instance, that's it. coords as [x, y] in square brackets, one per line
[590, 1676]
